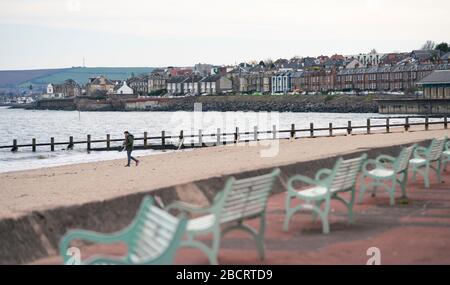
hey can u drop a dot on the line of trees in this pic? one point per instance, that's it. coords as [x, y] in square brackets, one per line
[430, 45]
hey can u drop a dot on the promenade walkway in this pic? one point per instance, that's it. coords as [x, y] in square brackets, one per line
[413, 233]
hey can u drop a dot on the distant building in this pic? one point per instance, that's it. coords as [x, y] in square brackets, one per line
[175, 85]
[157, 81]
[435, 100]
[139, 84]
[124, 89]
[393, 58]
[367, 59]
[353, 63]
[203, 69]
[68, 88]
[436, 85]
[446, 58]
[425, 56]
[282, 82]
[191, 85]
[215, 84]
[99, 85]
[180, 71]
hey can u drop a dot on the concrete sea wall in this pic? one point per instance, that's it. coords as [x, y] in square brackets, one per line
[37, 234]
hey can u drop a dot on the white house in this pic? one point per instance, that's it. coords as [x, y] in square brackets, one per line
[51, 94]
[281, 82]
[124, 90]
[373, 58]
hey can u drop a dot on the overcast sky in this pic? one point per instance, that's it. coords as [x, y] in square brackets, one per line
[60, 33]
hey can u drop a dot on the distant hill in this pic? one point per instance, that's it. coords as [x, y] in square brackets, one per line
[23, 78]
[11, 78]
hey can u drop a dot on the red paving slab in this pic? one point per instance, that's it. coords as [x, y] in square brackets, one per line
[414, 233]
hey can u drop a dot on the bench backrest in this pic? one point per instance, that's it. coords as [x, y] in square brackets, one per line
[402, 161]
[435, 150]
[155, 233]
[345, 173]
[246, 198]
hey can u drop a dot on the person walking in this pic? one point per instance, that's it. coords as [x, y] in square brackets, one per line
[128, 144]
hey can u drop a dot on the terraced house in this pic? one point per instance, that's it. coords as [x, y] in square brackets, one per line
[384, 78]
[215, 84]
[139, 84]
[435, 100]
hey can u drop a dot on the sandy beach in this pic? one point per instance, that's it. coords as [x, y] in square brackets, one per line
[25, 191]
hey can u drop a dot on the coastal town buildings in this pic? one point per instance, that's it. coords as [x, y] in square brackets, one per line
[68, 88]
[368, 59]
[139, 84]
[123, 89]
[99, 85]
[435, 100]
[215, 84]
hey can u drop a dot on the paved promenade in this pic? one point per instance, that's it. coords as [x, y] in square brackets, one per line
[413, 233]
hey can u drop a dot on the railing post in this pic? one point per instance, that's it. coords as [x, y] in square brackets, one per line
[88, 143]
[330, 129]
[108, 141]
[445, 122]
[52, 144]
[274, 132]
[14, 145]
[33, 145]
[311, 130]
[163, 139]
[293, 131]
[349, 128]
[71, 141]
[236, 135]
[255, 133]
[387, 125]
[145, 140]
[407, 124]
[426, 123]
[200, 138]
[218, 136]
[368, 126]
[181, 138]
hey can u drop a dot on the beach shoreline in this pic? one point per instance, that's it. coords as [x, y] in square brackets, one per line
[22, 192]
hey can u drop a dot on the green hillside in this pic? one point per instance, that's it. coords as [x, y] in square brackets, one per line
[82, 74]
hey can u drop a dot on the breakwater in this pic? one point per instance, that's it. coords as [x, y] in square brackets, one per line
[286, 103]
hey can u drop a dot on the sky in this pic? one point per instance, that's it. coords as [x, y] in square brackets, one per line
[60, 33]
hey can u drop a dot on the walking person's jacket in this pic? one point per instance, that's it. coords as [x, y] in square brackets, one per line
[129, 142]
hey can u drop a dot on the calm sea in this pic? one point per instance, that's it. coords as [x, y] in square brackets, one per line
[24, 125]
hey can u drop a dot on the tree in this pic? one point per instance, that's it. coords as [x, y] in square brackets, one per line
[444, 47]
[429, 45]
[268, 62]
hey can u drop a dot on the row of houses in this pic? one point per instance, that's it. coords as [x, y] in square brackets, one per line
[363, 72]
[393, 78]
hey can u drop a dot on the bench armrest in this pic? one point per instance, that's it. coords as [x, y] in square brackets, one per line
[323, 172]
[420, 152]
[89, 236]
[386, 158]
[303, 179]
[189, 208]
[371, 164]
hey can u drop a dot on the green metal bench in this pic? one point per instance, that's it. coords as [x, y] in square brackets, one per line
[446, 154]
[327, 185]
[384, 169]
[240, 200]
[152, 238]
[425, 157]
